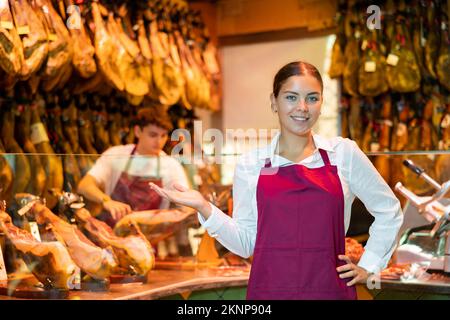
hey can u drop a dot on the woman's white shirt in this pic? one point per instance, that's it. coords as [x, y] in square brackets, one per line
[358, 177]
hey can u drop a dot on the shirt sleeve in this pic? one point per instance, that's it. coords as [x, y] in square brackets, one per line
[369, 186]
[237, 234]
[101, 171]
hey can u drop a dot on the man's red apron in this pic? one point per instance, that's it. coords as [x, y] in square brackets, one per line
[300, 234]
[134, 191]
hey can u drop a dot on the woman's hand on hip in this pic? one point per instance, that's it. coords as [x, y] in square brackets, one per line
[185, 197]
[117, 209]
[351, 270]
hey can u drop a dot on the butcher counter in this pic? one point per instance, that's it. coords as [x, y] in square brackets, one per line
[231, 284]
[204, 283]
[433, 288]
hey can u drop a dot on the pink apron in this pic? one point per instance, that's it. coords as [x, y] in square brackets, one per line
[300, 234]
[134, 191]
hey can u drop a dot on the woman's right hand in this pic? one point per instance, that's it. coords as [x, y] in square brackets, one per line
[117, 209]
[185, 197]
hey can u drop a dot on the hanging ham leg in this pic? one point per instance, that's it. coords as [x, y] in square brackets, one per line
[52, 163]
[83, 53]
[11, 53]
[23, 134]
[105, 50]
[22, 165]
[72, 174]
[70, 131]
[33, 35]
[6, 176]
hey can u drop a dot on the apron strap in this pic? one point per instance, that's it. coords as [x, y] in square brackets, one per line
[158, 163]
[127, 166]
[325, 158]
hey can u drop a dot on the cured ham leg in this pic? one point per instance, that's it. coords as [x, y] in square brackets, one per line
[93, 260]
[34, 37]
[48, 261]
[11, 53]
[134, 252]
[105, 51]
[156, 225]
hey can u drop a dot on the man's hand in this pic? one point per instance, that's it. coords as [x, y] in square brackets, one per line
[117, 209]
[358, 274]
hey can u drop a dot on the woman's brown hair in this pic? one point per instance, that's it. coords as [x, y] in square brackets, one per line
[296, 68]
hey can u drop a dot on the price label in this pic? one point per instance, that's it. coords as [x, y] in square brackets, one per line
[388, 123]
[6, 25]
[392, 59]
[25, 208]
[401, 129]
[52, 37]
[22, 30]
[34, 229]
[423, 41]
[445, 122]
[374, 147]
[3, 274]
[74, 281]
[38, 133]
[370, 66]
[364, 45]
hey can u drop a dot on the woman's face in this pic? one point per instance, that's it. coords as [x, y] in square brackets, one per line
[298, 104]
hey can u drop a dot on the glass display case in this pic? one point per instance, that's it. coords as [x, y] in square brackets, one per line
[41, 205]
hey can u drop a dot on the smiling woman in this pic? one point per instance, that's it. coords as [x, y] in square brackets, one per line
[297, 98]
[292, 203]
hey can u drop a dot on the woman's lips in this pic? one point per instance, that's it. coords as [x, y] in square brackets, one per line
[300, 118]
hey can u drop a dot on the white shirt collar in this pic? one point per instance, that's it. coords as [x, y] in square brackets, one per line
[161, 153]
[269, 151]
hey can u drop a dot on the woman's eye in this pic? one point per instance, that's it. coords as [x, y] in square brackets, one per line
[312, 99]
[291, 98]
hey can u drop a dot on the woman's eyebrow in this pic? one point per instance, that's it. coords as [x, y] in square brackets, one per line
[296, 93]
[291, 92]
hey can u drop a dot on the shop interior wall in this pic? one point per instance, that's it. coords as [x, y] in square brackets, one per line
[255, 38]
[248, 72]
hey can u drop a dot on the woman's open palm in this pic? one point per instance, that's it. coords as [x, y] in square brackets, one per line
[183, 196]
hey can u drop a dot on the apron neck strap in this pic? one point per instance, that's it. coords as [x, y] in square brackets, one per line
[127, 166]
[158, 163]
[323, 154]
[325, 158]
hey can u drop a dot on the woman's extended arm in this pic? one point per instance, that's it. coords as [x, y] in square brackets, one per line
[237, 234]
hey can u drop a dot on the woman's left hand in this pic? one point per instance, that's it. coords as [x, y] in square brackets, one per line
[351, 270]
